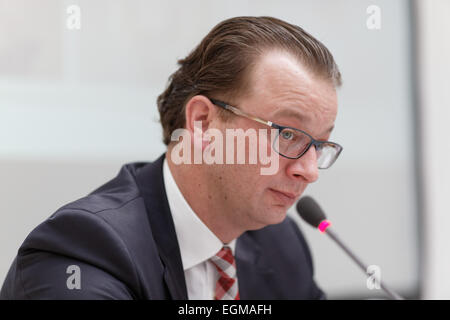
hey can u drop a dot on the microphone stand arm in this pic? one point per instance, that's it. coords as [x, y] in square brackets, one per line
[362, 265]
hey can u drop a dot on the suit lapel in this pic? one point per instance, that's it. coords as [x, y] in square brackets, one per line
[253, 270]
[151, 185]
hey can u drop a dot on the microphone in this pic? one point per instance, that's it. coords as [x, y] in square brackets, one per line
[311, 212]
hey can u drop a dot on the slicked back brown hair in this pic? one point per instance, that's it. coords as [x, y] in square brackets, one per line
[220, 65]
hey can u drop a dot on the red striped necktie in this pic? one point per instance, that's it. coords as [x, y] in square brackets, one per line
[226, 286]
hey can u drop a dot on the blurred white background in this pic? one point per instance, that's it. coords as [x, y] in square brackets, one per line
[77, 104]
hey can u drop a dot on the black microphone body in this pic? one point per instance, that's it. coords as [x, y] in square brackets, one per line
[311, 212]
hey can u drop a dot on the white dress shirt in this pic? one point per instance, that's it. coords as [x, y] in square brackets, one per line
[197, 242]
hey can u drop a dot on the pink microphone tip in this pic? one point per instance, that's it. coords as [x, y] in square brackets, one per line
[324, 225]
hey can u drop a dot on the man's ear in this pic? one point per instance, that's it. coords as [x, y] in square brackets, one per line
[199, 113]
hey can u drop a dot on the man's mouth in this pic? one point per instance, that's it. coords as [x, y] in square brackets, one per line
[287, 198]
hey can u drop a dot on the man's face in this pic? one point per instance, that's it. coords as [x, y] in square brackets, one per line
[283, 92]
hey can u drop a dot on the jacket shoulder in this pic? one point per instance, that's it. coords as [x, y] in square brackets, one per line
[72, 241]
[90, 234]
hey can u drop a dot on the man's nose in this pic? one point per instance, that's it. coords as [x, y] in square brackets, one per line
[305, 167]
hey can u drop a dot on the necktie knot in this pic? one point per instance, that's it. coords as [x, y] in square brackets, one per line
[226, 287]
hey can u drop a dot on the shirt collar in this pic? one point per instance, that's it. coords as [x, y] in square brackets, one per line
[197, 242]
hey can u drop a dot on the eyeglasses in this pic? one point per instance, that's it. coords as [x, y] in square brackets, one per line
[293, 143]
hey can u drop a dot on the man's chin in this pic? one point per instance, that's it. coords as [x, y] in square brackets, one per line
[275, 216]
[279, 214]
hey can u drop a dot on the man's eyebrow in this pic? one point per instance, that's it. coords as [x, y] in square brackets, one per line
[290, 113]
[295, 114]
[330, 129]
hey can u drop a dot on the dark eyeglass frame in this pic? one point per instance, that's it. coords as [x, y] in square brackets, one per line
[317, 143]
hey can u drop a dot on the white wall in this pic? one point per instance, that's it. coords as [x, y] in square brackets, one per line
[75, 105]
[434, 97]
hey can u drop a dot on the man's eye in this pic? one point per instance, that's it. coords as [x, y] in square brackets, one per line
[288, 135]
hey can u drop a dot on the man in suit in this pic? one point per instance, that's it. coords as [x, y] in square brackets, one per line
[171, 230]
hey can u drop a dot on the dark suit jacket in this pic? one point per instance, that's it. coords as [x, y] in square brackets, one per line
[122, 238]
